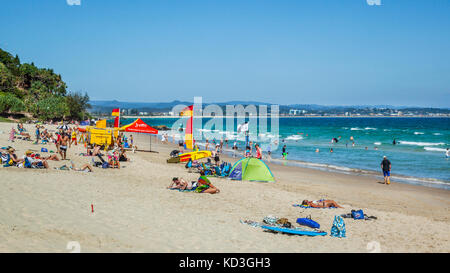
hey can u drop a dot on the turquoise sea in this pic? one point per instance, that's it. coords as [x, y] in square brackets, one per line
[417, 158]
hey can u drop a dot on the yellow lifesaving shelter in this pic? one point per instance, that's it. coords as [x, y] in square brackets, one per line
[101, 136]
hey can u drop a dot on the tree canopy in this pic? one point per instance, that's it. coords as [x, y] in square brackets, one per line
[25, 88]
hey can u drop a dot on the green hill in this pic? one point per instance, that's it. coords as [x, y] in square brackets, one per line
[40, 93]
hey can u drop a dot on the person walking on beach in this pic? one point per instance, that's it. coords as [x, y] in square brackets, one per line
[235, 148]
[38, 134]
[386, 167]
[74, 137]
[64, 141]
[258, 151]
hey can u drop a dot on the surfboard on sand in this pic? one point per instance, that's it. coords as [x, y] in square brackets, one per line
[297, 231]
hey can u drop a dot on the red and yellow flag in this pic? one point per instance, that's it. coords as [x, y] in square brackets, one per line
[115, 112]
[188, 111]
[188, 137]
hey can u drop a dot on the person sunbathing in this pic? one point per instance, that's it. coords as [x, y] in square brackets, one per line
[50, 157]
[85, 168]
[180, 183]
[321, 204]
[36, 162]
[205, 186]
[123, 156]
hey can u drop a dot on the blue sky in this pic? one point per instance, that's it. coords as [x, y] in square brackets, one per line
[331, 52]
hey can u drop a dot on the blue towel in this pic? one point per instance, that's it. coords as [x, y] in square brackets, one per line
[187, 190]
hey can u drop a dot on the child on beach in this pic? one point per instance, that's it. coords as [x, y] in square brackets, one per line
[12, 134]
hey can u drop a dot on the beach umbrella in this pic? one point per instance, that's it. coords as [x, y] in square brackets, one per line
[64, 127]
[138, 126]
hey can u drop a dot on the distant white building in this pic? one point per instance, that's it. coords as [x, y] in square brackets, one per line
[294, 112]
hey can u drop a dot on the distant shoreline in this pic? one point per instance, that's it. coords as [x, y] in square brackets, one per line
[177, 117]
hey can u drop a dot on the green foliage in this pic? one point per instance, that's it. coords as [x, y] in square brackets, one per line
[39, 91]
[3, 119]
[9, 102]
[78, 104]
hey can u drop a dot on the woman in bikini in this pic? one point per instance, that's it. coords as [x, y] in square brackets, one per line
[321, 204]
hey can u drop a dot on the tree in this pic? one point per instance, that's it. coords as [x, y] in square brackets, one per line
[10, 103]
[78, 104]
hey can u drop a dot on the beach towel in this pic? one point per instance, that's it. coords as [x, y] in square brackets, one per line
[338, 228]
[186, 190]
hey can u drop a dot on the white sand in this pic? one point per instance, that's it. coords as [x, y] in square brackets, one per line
[42, 210]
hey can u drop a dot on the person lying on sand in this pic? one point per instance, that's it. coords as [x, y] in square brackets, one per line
[321, 204]
[180, 183]
[85, 168]
[50, 157]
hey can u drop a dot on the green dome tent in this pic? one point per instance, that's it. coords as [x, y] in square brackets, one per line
[251, 169]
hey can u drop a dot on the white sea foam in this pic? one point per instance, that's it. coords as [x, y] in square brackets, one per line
[294, 137]
[432, 149]
[356, 129]
[418, 133]
[370, 128]
[421, 143]
[437, 134]
[377, 143]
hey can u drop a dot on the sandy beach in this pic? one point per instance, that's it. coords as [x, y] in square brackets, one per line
[43, 210]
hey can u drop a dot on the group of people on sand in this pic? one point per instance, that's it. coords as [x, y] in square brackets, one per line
[28, 160]
[63, 139]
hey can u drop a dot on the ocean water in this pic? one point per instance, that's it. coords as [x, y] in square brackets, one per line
[417, 158]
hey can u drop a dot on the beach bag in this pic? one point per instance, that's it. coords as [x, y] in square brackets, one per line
[357, 214]
[27, 163]
[5, 158]
[270, 220]
[338, 228]
[188, 164]
[308, 222]
[105, 165]
[44, 150]
[284, 222]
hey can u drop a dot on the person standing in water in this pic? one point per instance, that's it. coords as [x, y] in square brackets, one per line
[386, 167]
[447, 153]
[284, 152]
[394, 142]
